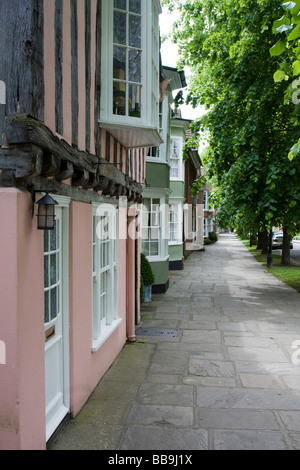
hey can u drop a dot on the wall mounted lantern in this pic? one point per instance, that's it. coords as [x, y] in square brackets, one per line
[46, 212]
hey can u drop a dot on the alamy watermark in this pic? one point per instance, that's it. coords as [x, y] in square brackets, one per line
[2, 353]
[150, 223]
[296, 354]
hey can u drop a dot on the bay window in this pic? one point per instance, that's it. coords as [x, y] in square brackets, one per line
[130, 71]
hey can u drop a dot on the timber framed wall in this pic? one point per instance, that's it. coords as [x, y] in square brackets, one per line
[53, 67]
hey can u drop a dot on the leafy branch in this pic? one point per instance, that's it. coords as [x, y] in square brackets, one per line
[288, 48]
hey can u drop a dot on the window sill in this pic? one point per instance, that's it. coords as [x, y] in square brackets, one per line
[107, 333]
[133, 136]
[156, 160]
[157, 259]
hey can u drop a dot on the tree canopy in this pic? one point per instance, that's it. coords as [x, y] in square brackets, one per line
[227, 46]
[288, 48]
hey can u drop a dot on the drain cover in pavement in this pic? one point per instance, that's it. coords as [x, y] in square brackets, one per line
[140, 331]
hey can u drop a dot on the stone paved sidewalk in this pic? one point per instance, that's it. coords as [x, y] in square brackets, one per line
[211, 368]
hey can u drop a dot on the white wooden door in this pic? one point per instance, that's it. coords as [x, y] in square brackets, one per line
[55, 320]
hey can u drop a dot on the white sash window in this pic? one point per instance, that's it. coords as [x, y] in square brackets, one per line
[176, 165]
[175, 223]
[104, 273]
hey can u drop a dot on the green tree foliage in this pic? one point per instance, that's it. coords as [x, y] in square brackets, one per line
[227, 46]
[146, 271]
[287, 27]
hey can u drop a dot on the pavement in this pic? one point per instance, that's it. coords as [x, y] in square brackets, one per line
[216, 365]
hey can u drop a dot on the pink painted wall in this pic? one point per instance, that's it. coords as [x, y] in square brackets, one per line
[80, 271]
[88, 367]
[22, 398]
[22, 378]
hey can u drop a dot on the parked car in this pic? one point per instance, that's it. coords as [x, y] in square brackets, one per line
[278, 240]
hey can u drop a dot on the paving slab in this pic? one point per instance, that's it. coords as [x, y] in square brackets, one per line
[226, 381]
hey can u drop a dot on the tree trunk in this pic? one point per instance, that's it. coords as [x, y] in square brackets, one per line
[259, 241]
[286, 254]
[265, 242]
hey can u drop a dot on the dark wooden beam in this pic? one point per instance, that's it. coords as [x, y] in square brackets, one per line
[32, 149]
[59, 66]
[87, 75]
[75, 193]
[51, 165]
[22, 58]
[66, 171]
[21, 129]
[74, 70]
[80, 178]
[24, 162]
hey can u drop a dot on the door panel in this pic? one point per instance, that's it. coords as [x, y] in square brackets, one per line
[56, 351]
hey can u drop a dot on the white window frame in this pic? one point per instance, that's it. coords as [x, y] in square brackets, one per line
[207, 226]
[105, 318]
[162, 154]
[150, 77]
[163, 227]
[179, 177]
[154, 227]
[179, 222]
[206, 200]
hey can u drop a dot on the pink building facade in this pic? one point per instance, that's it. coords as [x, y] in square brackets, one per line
[78, 108]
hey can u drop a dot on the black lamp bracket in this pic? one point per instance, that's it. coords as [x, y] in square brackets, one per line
[33, 192]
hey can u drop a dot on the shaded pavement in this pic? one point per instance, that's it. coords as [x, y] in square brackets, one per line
[213, 366]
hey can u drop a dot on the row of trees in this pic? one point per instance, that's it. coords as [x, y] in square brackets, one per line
[243, 72]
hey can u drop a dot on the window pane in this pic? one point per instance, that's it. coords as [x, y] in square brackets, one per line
[46, 241]
[153, 152]
[52, 269]
[174, 170]
[121, 4]
[135, 6]
[120, 63]
[175, 149]
[120, 27]
[135, 74]
[53, 239]
[135, 31]
[47, 312]
[94, 258]
[94, 228]
[154, 233]
[53, 297]
[153, 248]
[145, 247]
[57, 230]
[119, 103]
[46, 271]
[119, 87]
[134, 100]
